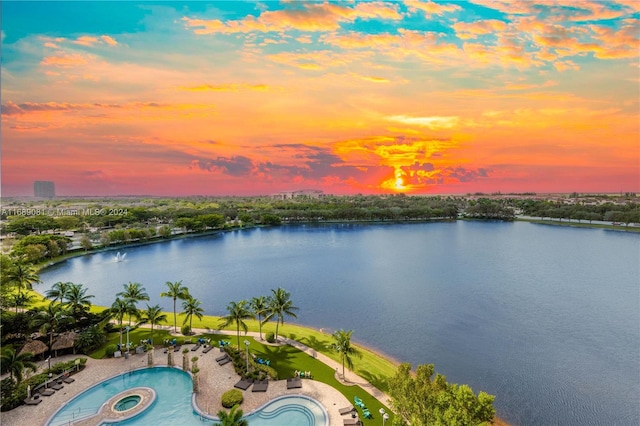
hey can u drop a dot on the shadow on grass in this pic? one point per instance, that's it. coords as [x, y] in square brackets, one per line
[379, 382]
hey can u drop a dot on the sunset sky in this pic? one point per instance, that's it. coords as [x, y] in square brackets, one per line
[252, 98]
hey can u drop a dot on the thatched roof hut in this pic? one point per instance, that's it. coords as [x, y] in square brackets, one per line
[65, 341]
[34, 346]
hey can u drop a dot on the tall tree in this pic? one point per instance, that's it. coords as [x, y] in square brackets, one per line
[133, 292]
[342, 345]
[15, 363]
[153, 315]
[119, 309]
[21, 300]
[49, 319]
[78, 301]
[280, 305]
[176, 291]
[22, 275]
[192, 308]
[58, 291]
[260, 307]
[238, 312]
[231, 418]
[420, 401]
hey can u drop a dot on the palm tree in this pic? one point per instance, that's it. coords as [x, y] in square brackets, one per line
[280, 305]
[260, 307]
[238, 312]
[49, 318]
[134, 292]
[77, 301]
[119, 309]
[153, 315]
[22, 275]
[342, 345]
[58, 291]
[15, 364]
[232, 418]
[175, 291]
[20, 300]
[191, 307]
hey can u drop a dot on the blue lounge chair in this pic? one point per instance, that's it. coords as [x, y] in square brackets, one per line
[358, 402]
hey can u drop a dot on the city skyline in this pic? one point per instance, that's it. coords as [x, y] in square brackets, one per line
[253, 98]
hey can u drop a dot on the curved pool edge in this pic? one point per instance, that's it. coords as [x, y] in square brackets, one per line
[51, 417]
[202, 414]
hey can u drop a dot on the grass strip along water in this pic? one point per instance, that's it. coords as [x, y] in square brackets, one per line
[285, 359]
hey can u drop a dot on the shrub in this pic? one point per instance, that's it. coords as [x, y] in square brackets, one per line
[271, 338]
[185, 330]
[269, 371]
[231, 398]
[61, 367]
[110, 350]
[90, 339]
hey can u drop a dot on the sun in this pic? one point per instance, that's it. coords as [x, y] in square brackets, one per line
[399, 183]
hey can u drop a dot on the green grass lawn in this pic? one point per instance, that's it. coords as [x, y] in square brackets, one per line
[284, 359]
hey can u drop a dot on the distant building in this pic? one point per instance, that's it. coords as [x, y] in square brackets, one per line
[44, 189]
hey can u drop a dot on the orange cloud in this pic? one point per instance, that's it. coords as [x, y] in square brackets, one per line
[431, 8]
[109, 40]
[64, 60]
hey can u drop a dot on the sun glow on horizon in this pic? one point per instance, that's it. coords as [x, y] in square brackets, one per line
[343, 97]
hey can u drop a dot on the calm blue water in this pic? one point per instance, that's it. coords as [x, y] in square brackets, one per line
[546, 318]
[173, 403]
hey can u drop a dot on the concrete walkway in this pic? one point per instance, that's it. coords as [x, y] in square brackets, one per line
[213, 381]
[350, 379]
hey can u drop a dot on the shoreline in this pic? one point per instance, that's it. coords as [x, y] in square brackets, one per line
[375, 352]
[530, 219]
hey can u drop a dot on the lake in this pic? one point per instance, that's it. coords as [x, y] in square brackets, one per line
[547, 318]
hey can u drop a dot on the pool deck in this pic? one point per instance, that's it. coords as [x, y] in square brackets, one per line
[213, 381]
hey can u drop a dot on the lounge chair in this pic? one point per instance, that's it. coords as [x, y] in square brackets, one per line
[196, 347]
[347, 410]
[227, 360]
[207, 349]
[221, 357]
[358, 402]
[177, 348]
[351, 421]
[68, 380]
[260, 386]
[294, 383]
[243, 384]
[366, 414]
[57, 386]
[47, 392]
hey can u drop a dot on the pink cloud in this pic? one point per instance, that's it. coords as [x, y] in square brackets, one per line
[309, 17]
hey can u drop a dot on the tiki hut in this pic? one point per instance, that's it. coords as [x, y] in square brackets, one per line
[36, 347]
[64, 341]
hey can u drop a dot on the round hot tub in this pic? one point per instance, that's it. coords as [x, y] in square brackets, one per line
[127, 403]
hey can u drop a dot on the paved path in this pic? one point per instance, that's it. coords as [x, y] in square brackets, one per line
[350, 377]
[213, 381]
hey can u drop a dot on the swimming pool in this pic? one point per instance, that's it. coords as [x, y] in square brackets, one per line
[172, 403]
[297, 410]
